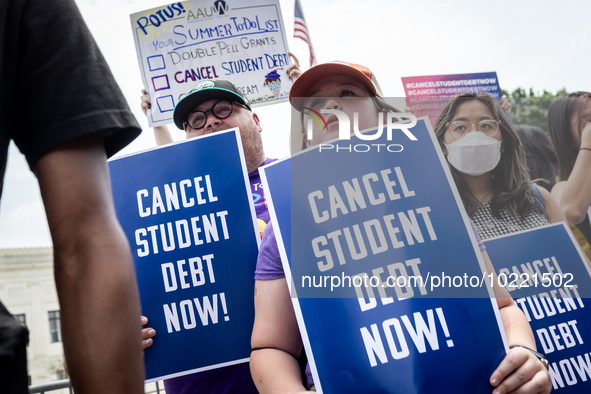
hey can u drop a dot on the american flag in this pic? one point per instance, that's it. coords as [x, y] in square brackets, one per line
[300, 30]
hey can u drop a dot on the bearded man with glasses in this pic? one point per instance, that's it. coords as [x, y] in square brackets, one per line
[209, 107]
[218, 105]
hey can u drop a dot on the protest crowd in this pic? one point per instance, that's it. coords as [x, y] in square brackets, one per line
[509, 179]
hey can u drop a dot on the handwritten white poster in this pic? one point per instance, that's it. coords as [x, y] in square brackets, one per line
[180, 44]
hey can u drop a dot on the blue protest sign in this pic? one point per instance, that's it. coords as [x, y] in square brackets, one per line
[188, 215]
[548, 276]
[390, 282]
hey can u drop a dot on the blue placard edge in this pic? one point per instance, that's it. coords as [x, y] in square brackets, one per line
[236, 133]
[566, 230]
[287, 270]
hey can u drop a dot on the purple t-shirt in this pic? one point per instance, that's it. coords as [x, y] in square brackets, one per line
[258, 197]
[235, 379]
[269, 265]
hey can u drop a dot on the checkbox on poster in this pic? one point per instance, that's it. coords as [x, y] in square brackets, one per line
[160, 82]
[165, 104]
[156, 63]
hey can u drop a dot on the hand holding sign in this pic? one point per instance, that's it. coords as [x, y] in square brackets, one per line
[521, 370]
[161, 133]
[147, 334]
[293, 70]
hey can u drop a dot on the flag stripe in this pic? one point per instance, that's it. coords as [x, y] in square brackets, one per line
[303, 33]
[300, 30]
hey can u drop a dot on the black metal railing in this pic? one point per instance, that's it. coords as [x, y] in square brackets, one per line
[57, 385]
[61, 384]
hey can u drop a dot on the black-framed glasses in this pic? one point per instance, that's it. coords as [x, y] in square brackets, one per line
[221, 110]
[460, 128]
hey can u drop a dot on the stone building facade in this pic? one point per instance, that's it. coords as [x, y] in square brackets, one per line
[28, 291]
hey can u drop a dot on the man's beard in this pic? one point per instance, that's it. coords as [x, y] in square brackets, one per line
[252, 143]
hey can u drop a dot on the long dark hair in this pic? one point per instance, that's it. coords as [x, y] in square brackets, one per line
[542, 163]
[510, 181]
[559, 126]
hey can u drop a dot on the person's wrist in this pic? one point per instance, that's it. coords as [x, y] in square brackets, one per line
[538, 355]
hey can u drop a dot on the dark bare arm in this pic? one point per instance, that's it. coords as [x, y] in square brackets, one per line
[93, 270]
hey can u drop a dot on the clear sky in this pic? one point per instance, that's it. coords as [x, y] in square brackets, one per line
[538, 44]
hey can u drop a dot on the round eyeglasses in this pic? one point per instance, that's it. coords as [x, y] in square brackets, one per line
[221, 110]
[460, 128]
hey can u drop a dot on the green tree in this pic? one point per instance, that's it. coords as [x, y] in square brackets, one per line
[530, 108]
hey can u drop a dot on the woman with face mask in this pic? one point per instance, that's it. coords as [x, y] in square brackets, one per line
[276, 341]
[488, 165]
[569, 123]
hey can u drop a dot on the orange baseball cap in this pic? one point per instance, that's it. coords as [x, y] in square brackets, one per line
[302, 85]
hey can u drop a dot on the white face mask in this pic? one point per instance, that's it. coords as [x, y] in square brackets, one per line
[474, 154]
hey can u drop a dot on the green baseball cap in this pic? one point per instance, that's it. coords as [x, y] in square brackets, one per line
[205, 91]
